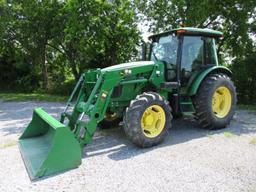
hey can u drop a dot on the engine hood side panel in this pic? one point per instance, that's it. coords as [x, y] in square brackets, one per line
[130, 65]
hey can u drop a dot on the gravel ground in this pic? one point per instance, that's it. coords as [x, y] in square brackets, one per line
[190, 159]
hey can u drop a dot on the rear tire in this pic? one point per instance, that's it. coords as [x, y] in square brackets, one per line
[215, 101]
[147, 119]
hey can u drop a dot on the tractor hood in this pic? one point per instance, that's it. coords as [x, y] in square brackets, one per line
[128, 66]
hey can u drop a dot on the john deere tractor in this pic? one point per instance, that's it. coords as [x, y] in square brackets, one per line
[180, 76]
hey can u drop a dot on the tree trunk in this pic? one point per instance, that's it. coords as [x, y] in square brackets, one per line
[44, 68]
[74, 70]
[71, 58]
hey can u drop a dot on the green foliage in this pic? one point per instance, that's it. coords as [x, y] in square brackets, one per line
[244, 69]
[28, 26]
[230, 17]
[31, 97]
[99, 34]
[62, 87]
[247, 107]
[46, 45]
[236, 19]
[43, 43]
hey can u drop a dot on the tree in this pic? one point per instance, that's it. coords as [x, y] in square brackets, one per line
[236, 19]
[14, 66]
[244, 76]
[230, 17]
[35, 24]
[54, 37]
[97, 34]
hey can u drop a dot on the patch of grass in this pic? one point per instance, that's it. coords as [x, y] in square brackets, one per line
[9, 143]
[252, 189]
[209, 135]
[228, 134]
[247, 107]
[253, 141]
[32, 97]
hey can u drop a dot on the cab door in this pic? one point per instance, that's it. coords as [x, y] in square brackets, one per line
[192, 57]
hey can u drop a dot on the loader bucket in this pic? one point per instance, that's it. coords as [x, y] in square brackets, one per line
[47, 146]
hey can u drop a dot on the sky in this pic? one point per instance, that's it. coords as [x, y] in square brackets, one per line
[143, 28]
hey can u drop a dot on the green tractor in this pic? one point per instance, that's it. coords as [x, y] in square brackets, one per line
[181, 76]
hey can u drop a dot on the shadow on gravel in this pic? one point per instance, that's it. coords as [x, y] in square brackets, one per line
[114, 142]
[15, 116]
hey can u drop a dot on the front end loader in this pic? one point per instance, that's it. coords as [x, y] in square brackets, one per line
[180, 77]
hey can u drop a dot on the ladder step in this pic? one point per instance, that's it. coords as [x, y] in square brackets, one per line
[188, 113]
[186, 103]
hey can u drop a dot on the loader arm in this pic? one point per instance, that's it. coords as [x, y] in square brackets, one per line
[91, 105]
[49, 146]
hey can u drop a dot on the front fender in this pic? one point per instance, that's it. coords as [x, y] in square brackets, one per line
[193, 87]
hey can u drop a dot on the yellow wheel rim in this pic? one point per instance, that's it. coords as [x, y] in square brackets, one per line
[153, 121]
[221, 102]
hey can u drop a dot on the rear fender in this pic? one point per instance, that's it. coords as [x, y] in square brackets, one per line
[193, 87]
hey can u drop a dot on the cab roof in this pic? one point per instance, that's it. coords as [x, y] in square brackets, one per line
[191, 31]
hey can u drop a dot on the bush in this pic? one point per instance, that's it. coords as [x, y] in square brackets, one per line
[244, 77]
[62, 88]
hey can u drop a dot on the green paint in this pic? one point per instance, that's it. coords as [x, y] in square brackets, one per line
[194, 31]
[201, 31]
[48, 146]
[124, 66]
[193, 87]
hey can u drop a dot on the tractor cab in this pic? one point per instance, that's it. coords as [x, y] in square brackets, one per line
[184, 51]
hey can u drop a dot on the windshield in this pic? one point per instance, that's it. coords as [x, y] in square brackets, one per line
[165, 49]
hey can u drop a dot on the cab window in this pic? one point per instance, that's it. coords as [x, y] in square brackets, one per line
[165, 49]
[192, 53]
[210, 52]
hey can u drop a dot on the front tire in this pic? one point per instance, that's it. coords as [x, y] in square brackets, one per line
[147, 119]
[215, 101]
